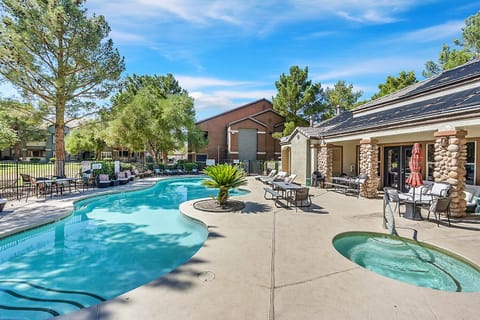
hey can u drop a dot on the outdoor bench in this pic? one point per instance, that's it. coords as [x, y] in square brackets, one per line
[351, 187]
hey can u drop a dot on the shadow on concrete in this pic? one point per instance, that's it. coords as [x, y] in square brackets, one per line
[255, 208]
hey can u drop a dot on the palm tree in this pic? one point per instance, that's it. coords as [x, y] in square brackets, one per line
[224, 177]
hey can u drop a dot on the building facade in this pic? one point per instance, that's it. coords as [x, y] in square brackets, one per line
[244, 133]
[441, 113]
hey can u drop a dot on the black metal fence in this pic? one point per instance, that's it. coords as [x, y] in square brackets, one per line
[12, 184]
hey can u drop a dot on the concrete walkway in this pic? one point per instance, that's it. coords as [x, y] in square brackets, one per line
[271, 263]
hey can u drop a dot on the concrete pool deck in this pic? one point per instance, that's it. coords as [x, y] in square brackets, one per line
[276, 263]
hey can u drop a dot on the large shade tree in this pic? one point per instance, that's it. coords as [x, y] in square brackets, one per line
[28, 124]
[341, 95]
[467, 49]
[297, 98]
[8, 136]
[151, 113]
[393, 84]
[58, 57]
[87, 137]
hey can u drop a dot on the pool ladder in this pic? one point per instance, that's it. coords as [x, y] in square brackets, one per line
[389, 219]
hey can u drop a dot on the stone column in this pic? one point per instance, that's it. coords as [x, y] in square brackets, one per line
[450, 160]
[369, 166]
[325, 161]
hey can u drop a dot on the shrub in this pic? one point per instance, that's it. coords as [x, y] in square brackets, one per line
[35, 160]
[224, 177]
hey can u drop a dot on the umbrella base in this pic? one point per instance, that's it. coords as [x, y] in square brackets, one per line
[412, 212]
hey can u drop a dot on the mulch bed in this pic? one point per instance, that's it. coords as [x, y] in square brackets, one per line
[211, 205]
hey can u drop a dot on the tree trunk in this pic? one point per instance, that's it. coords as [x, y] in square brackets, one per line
[59, 150]
[60, 137]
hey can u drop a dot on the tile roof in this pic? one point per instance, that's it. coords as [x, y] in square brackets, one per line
[455, 103]
[449, 105]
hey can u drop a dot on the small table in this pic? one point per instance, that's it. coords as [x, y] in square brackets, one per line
[412, 211]
[284, 187]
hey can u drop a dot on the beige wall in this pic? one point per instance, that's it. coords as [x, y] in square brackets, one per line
[299, 159]
[350, 158]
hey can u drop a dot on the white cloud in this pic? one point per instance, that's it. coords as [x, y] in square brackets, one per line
[214, 102]
[378, 66]
[248, 14]
[194, 83]
[447, 30]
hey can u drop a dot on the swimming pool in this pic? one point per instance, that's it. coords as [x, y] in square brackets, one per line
[109, 245]
[409, 261]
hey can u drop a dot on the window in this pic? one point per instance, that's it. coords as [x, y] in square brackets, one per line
[430, 161]
[470, 165]
[201, 158]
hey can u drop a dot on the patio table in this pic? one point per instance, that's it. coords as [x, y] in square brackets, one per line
[413, 205]
[56, 184]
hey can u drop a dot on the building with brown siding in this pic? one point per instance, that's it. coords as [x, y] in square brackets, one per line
[244, 133]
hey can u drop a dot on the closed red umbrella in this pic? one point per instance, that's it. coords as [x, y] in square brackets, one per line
[415, 178]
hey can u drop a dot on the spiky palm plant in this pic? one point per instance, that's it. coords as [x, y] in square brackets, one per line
[224, 177]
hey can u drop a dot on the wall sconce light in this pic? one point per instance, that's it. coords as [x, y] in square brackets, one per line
[444, 142]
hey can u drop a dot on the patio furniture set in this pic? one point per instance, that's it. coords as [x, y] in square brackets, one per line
[284, 188]
[432, 196]
[346, 184]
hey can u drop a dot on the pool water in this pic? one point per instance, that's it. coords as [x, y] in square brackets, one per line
[109, 245]
[409, 261]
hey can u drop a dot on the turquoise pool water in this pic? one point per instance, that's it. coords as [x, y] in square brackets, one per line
[409, 261]
[108, 246]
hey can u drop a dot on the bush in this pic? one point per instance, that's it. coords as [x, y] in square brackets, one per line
[35, 160]
[52, 160]
[107, 167]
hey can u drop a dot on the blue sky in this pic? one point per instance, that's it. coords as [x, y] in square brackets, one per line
[230, 52]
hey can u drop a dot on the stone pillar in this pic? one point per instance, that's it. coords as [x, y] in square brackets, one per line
[450, 160]
[369, 166]
[325, 161]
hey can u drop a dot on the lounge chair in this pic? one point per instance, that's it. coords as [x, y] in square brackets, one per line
[122, 177]
[290, 178]
[103, 180]
[130, 175]
[270, 175]
[278, 177]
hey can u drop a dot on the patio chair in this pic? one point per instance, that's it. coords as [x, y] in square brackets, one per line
[270, 175]
[317, 179]
[122, 177]
[130, 175]
[300, 198]
[103, 180]
[440, 205]
[86, 180]
[440, 189]
[392, 196]
[28, 184]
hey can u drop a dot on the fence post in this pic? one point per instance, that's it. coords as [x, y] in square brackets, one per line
[16, 176]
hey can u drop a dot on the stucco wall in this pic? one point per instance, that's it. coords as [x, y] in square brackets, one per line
[299, 157]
